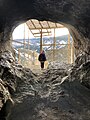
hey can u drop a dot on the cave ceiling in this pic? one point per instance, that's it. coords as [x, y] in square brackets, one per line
[74, 14]
[71, 12]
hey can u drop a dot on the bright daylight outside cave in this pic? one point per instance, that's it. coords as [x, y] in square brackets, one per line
[34, 36]
[44, 60]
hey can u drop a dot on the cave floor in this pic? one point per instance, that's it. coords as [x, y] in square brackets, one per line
[52, 97]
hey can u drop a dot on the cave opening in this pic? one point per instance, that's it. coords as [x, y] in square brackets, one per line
[59, 93]
[33, 36]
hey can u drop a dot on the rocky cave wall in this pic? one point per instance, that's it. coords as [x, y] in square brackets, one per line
[74, 14]
[28, 92]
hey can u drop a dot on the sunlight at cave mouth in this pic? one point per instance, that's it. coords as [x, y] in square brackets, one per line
[34, 36]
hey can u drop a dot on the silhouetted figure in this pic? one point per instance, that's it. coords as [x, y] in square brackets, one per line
[42, 59]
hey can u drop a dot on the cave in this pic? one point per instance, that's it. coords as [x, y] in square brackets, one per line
[67, 13]
[74, 15]
[33, 36]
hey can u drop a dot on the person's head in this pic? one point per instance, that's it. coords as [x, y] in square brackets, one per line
[42, 51]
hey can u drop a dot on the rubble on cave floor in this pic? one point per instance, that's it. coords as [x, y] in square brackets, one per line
[56, 94]
[54, 98]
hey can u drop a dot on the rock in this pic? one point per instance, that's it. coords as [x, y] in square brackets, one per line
[82, 58]
[60, 92]
[6, 102]
[81, 73]
[12, 76]
[33, 99]
[74, 15]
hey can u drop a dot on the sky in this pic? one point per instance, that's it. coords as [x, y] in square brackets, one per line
[18, 33]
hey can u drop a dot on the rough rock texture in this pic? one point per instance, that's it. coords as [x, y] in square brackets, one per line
[81, 71]
[12, 76]
[74, 14]
[56, 94]
[6, 102]
[56, 97]
[65, 98]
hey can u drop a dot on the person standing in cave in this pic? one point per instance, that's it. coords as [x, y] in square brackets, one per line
[42, 59]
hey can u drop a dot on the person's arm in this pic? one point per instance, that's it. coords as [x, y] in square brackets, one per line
[45, 57]
[39, 57]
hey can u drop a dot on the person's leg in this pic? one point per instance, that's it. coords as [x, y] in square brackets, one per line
[42, 65]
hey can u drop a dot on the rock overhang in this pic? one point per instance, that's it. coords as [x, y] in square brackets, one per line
[73, 14]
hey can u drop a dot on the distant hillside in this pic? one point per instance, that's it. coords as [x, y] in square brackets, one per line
[35, 42]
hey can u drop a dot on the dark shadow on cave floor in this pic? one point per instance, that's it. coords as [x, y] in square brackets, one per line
[52, 95]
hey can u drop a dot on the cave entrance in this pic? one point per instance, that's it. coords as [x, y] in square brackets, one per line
[47, 36]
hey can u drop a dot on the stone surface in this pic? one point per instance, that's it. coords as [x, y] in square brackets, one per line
[74, 14]
[55, 97]
[64, 96]
[6, 102]
[12, 75]
[60, 92]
